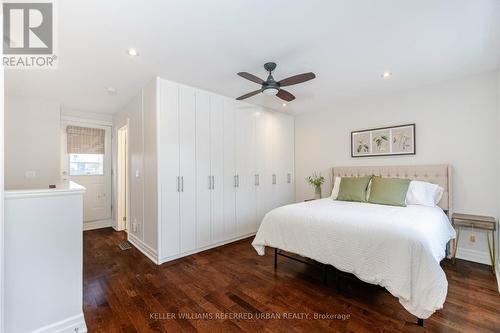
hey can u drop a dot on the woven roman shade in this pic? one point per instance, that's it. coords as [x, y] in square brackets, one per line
[85, 140]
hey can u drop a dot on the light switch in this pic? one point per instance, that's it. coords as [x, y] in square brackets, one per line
[30, 174]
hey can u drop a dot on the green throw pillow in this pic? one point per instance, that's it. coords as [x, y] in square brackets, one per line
[353, 188]
[389, 191]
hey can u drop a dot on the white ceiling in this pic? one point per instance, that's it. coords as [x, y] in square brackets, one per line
[348, 44]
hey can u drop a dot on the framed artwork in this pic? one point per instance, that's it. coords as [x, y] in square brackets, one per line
[384, 141]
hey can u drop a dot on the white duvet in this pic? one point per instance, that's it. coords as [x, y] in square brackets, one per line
[398, 248]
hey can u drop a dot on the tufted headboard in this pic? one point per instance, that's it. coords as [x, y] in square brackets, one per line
[436, 174]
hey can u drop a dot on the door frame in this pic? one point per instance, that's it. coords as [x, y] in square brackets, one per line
[108, 160]
[122, 147]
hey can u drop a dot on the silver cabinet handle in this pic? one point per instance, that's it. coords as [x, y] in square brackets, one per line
[274, 179]
[213, 182]
[237, 180]
[289, 178]
[234, 180]
[256, 180]
[178, 184]
[209, 182]
[182, 183]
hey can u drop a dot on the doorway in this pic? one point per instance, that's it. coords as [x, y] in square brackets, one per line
[86, 160]
[122, 180]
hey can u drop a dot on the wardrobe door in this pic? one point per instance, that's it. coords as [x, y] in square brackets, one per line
[203, 174]
[282, 158]
[168, 165]
[187, 161]
[229, 181]
[245, 170]
[264, 164]
[217, 167]
[290, 160]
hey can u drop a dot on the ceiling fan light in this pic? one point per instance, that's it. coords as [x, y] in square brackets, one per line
[271, 91]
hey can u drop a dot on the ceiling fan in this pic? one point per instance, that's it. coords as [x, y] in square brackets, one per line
[272, 87]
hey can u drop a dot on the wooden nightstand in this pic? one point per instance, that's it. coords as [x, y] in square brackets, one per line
[487, 223]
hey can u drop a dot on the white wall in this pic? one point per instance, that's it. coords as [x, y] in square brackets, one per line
[140, 114]
[150, 225]
[456, 123]
[32, 142]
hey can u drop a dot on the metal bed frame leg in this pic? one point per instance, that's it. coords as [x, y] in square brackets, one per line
[275, 258]
[420, 322]
[336, 277]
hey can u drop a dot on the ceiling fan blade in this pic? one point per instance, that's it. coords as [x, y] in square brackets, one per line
[251, 77]
[285, 95]
[249, 94]
[296, 79]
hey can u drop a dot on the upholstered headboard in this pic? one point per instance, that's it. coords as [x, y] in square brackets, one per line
[436, 174]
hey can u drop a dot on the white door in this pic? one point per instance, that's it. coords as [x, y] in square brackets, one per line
[229, 170]
[217, 167]
[265, 165]
[245, 170]
[93, 171]
[289, 147]
[203, 175]
[187, 167]
[122, 176]
[283, 152]
[168, 165]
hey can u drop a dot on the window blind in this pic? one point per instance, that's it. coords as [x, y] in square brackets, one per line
[85, 140]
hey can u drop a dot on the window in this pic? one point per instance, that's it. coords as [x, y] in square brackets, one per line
[86, 164]
[85, 147]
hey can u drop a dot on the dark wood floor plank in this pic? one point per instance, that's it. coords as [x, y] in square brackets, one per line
[125, 292]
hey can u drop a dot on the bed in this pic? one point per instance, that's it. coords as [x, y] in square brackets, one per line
[398, 248]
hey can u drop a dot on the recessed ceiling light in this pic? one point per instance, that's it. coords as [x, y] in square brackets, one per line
[386, 75]
[133, 52]
[111, 90]
[284, 104]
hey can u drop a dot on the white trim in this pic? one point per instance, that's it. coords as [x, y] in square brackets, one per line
[82, 122]
[87, 121]
[474, 256]
[201, 249]
[159, 178]
[68, 325]
[99, 224]
[143, 247]
[69, 188]
[2, 248]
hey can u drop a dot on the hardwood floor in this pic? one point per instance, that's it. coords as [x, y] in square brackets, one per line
[125, 292]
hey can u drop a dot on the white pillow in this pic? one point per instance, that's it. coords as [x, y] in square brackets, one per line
[336, 187]
[423, 193]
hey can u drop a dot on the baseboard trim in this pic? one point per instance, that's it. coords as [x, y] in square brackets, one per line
[68, 325]
[97, 224]
[201, 249]
[147, 250]
[474, 256]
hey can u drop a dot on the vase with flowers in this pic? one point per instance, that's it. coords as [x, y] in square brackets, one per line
[316, 180]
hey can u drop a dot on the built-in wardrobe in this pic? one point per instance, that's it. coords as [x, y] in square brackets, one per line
[221, 166]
